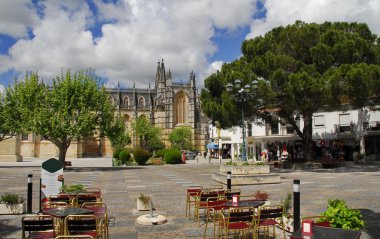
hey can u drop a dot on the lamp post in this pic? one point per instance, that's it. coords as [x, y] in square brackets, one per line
[242, 95]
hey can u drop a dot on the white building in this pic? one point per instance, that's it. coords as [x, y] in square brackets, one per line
[343, 132]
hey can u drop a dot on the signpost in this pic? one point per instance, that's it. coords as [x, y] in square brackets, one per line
[51, 178]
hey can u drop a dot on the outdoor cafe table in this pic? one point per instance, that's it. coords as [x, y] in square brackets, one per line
[327, 233]
[62, 212]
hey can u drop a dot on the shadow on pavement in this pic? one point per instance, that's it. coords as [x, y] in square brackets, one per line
[6, 229]
[108, 169]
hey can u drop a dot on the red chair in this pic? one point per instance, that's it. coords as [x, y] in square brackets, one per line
[38, 226]
[201, 201]
[82, 225]
[213, 207]
[270, 216]
[101, 214]
[191, 193]
[237, 220]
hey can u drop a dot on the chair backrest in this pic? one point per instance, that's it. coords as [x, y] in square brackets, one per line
[271, 212]
[61, 198]
[241, 214]
[37, 223]
[86, 197]
[77, 224]
[99, 208]
[204, 195]
[56, 204]
[216, 203]
[194, 190]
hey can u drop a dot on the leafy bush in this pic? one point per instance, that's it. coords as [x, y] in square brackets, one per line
[287, 202]
[160, 153]
[116, 152]
[141, 156]
[125, 155]
[173, 156]
[117, 162]
[340, 216]
[74, 188]
[11, 198]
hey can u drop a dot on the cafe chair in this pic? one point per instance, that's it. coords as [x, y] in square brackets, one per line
[239, 221]
[320, 221]
[55, 204]
[96, 191]
[82, 225]
[191, 193]
[85, 197]
[101, 214]
[75, 237]
[230, 192]
[201, 201]
[62, 197]
[214, 205]
[270, 217]
[38, 226]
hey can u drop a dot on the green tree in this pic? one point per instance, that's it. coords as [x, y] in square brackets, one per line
[301, 69]
[180, 138]
[73, 107]
[145, 132]
[117, 132]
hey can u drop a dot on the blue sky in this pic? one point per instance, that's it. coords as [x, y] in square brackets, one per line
[123, 39]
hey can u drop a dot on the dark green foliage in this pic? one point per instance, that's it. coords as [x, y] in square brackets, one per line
[141, 156]
[117, 162]
[160, 153]
[10, 198]
[74, 188]
[173, 156]
[340, 216]
[116, 152]
[125, 155]
[301, 69]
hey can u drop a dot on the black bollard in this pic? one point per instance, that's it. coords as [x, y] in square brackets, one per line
[30, 192]
[228, 180]
[296, 203]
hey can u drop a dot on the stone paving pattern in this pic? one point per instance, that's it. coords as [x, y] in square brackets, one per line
[358, 185]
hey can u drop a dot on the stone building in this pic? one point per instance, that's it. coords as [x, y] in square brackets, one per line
[167, 105]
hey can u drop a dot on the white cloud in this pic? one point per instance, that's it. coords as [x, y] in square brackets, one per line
[16, 17]
[282, 13]
[212, 68]
[135, 36]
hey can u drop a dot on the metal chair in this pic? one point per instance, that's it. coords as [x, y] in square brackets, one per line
[191, 193]
[238, 221]
[82, 225]
[213, 207]
[101, 214]
[75, 237]
[270, 216]
[201, 201]
[38, 226]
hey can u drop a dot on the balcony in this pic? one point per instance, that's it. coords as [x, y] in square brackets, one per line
[371, 126]
[344, 129]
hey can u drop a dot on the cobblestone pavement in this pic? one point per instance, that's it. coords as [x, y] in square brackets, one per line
[358, 185]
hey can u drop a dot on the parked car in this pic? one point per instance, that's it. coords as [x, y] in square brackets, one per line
[190, 155]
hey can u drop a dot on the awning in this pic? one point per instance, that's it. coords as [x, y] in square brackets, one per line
[212, 145]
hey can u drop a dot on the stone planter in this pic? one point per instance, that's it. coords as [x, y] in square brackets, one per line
[244, 170]
[12, 208]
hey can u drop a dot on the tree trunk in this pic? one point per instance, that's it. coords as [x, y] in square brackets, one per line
[62, 153]
[307, 139]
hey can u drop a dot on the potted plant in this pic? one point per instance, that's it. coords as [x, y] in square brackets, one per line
[74, 188]
[262, 196]
[287, 217]
[340, 216]
[143, 202]
[12, 204]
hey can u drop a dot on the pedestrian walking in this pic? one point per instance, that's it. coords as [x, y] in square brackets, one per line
[204, 154]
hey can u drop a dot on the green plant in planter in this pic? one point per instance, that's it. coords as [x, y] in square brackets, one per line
[230, 163]
[74, 188]
[144, 199]
[260, 164]
[11, 198]
[287, 202]
[340, 216]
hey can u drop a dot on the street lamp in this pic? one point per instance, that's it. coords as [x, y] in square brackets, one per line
[242, 95]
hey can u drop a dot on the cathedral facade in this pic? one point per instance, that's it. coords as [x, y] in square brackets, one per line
[167, 105]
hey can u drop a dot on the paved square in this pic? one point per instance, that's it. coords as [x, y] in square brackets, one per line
[358, 185]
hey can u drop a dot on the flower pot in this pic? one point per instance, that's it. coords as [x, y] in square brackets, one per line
[141, 206]
[12, 208]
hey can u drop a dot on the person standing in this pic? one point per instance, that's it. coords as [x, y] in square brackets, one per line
[205, 154]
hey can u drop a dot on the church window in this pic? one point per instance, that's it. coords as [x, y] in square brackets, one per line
[141, 102]
[126, 102]
[181, 107]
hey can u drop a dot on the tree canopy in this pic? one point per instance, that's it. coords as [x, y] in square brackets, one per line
[73, 107]
[301, 69]
[148, 134]
[180, 138]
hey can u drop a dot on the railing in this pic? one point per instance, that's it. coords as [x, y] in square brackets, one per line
[344, 129]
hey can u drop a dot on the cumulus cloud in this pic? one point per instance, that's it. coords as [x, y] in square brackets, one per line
[134, 36]
[16, 17]
[212, 68]
[282, 13]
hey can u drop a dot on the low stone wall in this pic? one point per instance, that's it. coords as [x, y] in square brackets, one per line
[244, 170]
[248, 179]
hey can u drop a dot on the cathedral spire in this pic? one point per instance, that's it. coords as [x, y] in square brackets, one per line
[158, 75]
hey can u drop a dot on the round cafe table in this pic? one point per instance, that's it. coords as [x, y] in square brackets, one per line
[244, 203]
